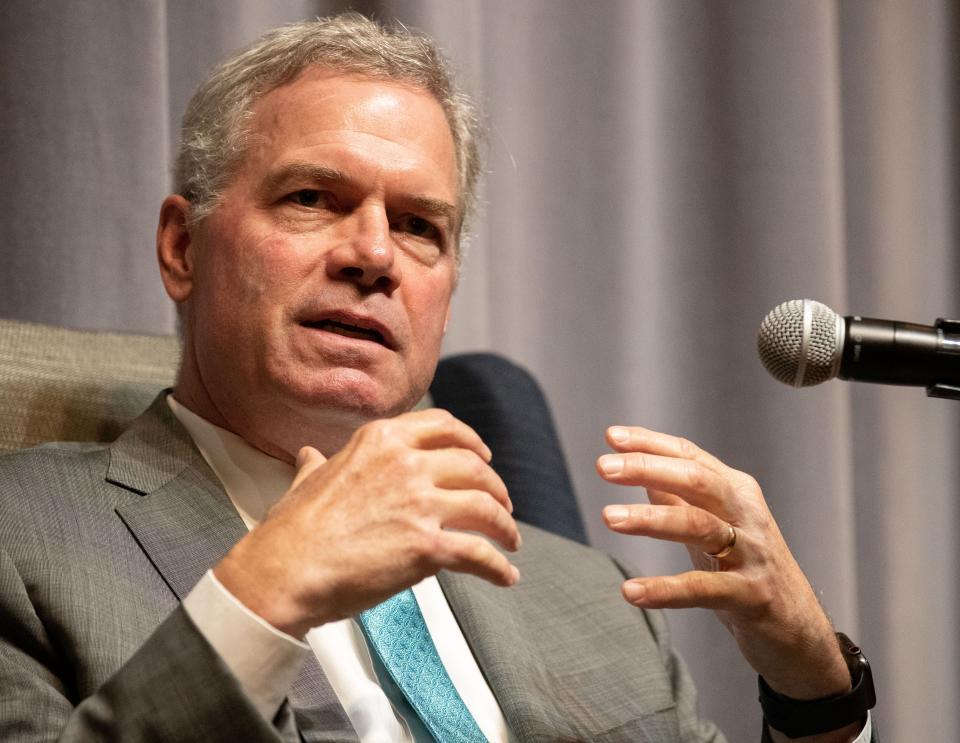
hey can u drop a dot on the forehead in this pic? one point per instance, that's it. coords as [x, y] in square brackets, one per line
[396, 127]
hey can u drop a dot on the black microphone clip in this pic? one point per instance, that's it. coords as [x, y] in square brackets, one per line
[951, 329]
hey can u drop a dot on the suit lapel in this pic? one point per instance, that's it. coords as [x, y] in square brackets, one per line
[185, 524]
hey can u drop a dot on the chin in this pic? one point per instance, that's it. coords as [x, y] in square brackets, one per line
[353, 395]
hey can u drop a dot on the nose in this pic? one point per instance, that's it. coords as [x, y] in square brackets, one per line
[364, 252]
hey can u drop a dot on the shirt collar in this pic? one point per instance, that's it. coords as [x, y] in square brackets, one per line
[254, 481]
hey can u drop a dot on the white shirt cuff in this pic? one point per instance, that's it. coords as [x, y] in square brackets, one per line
[265, 660]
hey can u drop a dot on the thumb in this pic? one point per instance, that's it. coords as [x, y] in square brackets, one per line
[308, 460]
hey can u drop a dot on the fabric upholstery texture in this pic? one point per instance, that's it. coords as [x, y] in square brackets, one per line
[70, 385]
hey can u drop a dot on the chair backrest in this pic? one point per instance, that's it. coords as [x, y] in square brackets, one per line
[69, 385]
[505, 405]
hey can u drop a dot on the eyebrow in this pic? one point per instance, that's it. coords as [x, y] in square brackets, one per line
[303, 171]
[433, 207]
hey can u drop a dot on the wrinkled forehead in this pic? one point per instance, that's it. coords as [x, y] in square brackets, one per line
[320, 104]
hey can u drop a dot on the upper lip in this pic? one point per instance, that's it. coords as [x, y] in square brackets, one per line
[355, 319]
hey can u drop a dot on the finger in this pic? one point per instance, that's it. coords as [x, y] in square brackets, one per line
[308, 461]
[438, 429]
[473, 510]
[468, 553]
[636, 439]
[689, 479]
[685, 524]
[696, 588]
[459, 469]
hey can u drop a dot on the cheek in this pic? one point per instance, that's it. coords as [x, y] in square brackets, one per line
[259, 270]
[247, 287]
[431, 313]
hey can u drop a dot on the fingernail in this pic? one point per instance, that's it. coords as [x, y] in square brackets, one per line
[634, 592]
[615, 514]
[619, 434]
[516, 576]
[302, 456]
[611, 464]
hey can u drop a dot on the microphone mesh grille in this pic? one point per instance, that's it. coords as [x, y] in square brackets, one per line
[780, 343]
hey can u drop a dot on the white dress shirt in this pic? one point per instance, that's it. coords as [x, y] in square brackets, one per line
[266, 661]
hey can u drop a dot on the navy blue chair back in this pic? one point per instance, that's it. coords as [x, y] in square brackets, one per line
[506, 406]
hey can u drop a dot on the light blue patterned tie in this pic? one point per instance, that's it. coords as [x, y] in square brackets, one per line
[397, 633]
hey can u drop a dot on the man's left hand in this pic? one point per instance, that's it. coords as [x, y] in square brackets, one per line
[757, 589]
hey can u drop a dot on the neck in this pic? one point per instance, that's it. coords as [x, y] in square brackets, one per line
[270, 425]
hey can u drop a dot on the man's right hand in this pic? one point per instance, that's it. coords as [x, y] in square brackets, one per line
[385, 512]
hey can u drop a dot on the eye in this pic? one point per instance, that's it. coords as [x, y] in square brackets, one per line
[311, 198]
[418, 227]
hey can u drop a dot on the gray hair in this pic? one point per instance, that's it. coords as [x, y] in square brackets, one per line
[215, 129]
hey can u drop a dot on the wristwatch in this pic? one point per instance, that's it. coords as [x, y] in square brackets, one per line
[796, 718]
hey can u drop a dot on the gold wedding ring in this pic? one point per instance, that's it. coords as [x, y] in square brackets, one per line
[728, 547]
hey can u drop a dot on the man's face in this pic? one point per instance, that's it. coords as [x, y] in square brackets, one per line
[322, 283]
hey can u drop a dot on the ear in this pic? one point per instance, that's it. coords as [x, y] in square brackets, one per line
[175, 247]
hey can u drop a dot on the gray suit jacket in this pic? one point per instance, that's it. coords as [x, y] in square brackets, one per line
[99, 543]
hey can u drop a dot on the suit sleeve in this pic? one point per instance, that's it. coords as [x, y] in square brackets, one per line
[174, 687]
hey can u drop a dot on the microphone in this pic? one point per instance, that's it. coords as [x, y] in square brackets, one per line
[803, 342]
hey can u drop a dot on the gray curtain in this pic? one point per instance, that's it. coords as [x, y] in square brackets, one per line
[659, 175]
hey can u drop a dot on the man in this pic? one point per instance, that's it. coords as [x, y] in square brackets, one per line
[312, 249]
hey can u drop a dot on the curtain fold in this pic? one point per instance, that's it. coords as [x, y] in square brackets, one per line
[660, 173]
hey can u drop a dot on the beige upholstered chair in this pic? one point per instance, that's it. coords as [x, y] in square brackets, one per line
[71, 385]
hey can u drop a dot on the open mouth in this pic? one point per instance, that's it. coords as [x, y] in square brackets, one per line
[350, 331]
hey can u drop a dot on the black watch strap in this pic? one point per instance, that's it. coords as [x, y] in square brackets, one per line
[796, 718]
